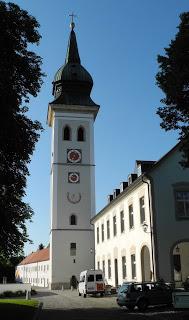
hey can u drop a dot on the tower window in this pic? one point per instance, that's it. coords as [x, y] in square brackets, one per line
[73, 220]
[72, 249]
[67, 133]
[80, 134]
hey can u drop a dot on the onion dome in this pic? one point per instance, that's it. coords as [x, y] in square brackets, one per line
[72, 83]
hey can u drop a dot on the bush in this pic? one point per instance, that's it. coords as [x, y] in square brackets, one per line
[19, 293]
[11, 294]
[8, 294]
[33, 292]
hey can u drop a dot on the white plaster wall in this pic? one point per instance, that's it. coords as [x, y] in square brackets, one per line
[37, 274]
[127, 243]
[63, 265]
[61, 209]
[14, 287]
[168, 230]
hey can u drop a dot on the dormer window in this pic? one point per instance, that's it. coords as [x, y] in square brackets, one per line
[81, 134]
[67, 133]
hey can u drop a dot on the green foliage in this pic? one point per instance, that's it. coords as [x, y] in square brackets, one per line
[173, 79]
[7, 268]
[31, 303]
[41, 246]
[20, 78]
[18, 293]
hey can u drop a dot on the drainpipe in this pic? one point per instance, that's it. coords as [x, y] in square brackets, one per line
[151, 228]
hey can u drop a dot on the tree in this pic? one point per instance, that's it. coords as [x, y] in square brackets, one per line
[173, 79]
[41, 246]
[20, 78]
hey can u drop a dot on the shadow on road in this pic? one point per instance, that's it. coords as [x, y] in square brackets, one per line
[113, 313]
[44, 294]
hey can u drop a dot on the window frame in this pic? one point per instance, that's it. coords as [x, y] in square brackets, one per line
[108, 228]
[114, 226]
[122, 221]
[75, 219]
[131, 215]
[179, 187]
[97, 234]
[124, 267]
[83, 134]
[109, 269]
[102, 232]
[73, 248]
[142, 210]
[68, 133]
[133, 266]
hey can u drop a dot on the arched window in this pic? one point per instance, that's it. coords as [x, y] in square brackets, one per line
[80, 134]
[73, 220]
[66, 133]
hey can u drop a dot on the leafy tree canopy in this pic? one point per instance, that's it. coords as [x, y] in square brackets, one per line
[20, 78]
[41, 246]
[173, 79]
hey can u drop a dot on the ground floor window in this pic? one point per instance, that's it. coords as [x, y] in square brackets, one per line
[109, 269]
[124, 269]
[133, 266]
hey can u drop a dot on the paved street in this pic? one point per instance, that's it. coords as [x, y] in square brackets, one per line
[68, 305]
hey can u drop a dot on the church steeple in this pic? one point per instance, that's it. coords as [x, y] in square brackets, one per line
[72, 51]
[72, 83]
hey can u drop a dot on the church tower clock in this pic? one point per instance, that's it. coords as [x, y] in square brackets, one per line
[71, 116]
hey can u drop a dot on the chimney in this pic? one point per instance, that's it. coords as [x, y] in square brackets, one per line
[123, 185]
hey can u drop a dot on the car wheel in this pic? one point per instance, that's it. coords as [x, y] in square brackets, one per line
[102, 294]
[130, 308]
[142, 304]
[84, 295]
[79, 294]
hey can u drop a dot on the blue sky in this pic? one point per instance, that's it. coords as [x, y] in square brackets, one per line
[118, 43]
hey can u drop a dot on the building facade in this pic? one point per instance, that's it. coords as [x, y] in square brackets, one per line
[71, 116]
[142, 234]
[35, 269]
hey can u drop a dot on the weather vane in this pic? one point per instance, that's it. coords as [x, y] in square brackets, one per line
[72, 24]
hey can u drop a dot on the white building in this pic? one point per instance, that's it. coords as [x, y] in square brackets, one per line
[71, 116]
[142, 233]
[34, 269]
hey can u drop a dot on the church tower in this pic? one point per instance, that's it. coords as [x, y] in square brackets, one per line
[71, 116]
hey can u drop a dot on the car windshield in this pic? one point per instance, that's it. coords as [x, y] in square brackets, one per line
[123, 288]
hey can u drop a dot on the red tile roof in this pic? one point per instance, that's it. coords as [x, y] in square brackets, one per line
[38, 256]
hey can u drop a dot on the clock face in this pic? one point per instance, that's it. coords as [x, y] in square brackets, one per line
[73, 177]
[74, 155]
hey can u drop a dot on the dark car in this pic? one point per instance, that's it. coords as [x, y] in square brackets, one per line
[143, 294]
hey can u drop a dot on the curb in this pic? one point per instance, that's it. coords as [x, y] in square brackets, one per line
[38, 311]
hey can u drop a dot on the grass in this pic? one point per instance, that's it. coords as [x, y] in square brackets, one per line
[17, 309]
[30, 303]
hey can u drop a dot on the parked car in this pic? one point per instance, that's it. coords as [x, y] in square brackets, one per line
[143, 294]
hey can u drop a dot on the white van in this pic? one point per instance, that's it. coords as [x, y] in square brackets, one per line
[91, 282]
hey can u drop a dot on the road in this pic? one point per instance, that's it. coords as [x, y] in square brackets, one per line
[69, 306]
